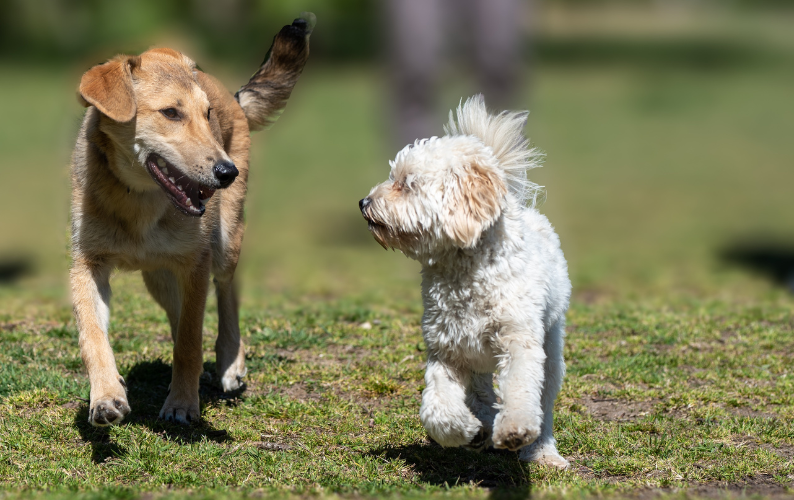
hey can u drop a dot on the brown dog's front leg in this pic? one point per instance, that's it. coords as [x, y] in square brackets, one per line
[229, 348]
[91, 298]
[182, 403]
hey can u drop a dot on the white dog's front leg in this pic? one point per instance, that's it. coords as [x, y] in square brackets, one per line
[520, 380]
[444, 413]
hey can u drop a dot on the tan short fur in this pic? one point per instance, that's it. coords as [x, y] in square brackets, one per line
[122, 218]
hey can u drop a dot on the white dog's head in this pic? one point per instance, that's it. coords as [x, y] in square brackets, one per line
[444, 192]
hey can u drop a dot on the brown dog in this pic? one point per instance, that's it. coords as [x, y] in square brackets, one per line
[159, 178]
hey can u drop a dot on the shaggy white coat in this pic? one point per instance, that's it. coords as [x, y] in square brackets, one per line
[495, 282]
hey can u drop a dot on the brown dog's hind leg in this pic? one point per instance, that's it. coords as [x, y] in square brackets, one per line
[91, 296]
[229, 348]
[165, 289]
[182, 403]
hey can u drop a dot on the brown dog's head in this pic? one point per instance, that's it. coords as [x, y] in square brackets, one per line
[161, 121]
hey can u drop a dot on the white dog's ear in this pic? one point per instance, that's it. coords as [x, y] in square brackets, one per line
[109, 87]
[473, 204]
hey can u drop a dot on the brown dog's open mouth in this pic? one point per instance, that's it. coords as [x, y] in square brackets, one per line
[186, 194]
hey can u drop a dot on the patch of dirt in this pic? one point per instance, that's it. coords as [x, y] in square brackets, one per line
[585, 472]
[616, 410]
[785, 451]
[581, 470]
[30, 325]
[330, 355]
[335, 355]
[744, 411]
[368, 402]
[10, 326]
[266, 445]
[73, 405]
[762, 485]
[298, 392]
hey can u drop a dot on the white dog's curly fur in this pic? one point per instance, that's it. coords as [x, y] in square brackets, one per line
[495, 282]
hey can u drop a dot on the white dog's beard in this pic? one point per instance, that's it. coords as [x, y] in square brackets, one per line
[379, 232]
[390, 238]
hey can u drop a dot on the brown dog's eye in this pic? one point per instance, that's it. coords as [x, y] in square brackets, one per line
[170, 113]
[208, 114]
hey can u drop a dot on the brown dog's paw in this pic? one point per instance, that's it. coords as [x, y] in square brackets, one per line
[231, 373]
[231, 382]
[182, 411]
[108, 410]
[513, 434]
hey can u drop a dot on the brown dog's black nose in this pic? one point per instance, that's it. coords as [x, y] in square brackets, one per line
[225, 172]
[363, 203]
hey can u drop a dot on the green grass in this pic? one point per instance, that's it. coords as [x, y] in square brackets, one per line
[679, 361]
[658, 395]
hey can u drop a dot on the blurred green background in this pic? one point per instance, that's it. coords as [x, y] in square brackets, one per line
[667, 126]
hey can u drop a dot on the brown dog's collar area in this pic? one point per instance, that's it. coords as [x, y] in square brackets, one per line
[187, 195]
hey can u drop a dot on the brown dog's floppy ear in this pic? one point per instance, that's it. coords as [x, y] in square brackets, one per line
[109, 87]
[473, 205]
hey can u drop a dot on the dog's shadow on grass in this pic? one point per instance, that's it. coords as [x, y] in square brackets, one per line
[500, 471]
[147, 387]
[15, 267]
[771, 259]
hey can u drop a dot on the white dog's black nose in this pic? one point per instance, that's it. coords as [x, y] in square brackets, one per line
[363, 203]
[225, 172]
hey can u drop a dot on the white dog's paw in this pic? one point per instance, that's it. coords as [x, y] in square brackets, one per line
[543, 455]
[450, 429]
[555, 460]
[514, 433]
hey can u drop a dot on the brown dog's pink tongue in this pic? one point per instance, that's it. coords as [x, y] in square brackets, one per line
[205, 194]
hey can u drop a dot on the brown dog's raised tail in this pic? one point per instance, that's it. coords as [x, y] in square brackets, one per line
[265, 95]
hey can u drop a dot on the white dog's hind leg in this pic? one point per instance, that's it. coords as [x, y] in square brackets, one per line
[544, 450]
[444, 413]
[520, 381]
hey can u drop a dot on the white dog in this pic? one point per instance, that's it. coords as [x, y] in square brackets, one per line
[495, 282]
